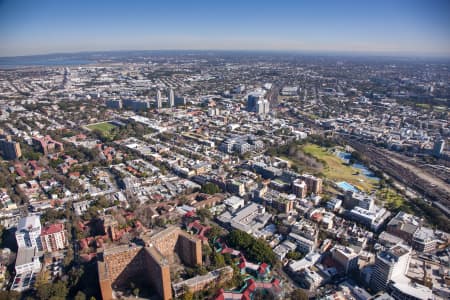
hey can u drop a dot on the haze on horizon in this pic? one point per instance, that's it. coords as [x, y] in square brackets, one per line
[384, 26]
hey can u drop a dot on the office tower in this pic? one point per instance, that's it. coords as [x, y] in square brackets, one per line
[136, 104]
[252, 101]
[158, 99]
[9, 149]
[171, 98]
[180, 101]
[389, 265]
[266, 106]
[114, 103]
[438, 148]
[262, 107]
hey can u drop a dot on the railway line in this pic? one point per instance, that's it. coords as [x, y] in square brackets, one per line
[426, 184]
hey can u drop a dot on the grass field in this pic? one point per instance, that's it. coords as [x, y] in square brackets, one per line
[336, 170]
[104, 127]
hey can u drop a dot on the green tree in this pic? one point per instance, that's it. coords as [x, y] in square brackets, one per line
[9, 295]
[294, 255]
[52, 291]
[214, 232]
[299, 294]
[69, 257]
[204, 214]
[218, 260]
[210, 188]
[188, 295]
[75, 275]
[80, 296]
[201, 270]
[60, 289]
[256, 249]
[160, 222]
[44, 291]
[136, 292]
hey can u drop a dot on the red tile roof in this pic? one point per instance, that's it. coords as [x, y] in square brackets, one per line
[51, 229]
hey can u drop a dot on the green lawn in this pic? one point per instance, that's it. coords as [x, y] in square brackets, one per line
[336, 170]
[104, 127]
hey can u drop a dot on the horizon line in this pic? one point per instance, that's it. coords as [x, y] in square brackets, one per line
[397, 54]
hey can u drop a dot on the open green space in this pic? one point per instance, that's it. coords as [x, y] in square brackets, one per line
[336, 170]
[105, 127]
[393, 200]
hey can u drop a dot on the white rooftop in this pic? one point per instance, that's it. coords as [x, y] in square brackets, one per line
[30, 222]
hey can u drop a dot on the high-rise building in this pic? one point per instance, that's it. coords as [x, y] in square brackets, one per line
[346, 257]
[252, 101]
[262, 107]
[158, 99]
[180, 100]
[9, 149]
[313, 184]
[28, 234]
[150, 262]
[411, 229]
[390, 264]
[424, 240]
[114, 103]
[136, 104]
[299, 188]
[53, 238]
[171, 98]
[266, 106]
[438, 148]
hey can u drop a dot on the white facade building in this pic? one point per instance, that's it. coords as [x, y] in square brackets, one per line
[28, 233]
[158, 99]
[171, 98]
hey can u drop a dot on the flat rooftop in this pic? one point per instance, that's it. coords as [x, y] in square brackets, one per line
[25, 255]
[399, 250]
[114, 249]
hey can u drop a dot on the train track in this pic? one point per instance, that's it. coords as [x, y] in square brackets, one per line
[411, 175]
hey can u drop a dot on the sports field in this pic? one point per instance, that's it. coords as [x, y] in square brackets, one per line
[104, 127]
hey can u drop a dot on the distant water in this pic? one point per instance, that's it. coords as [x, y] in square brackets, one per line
[17, 62]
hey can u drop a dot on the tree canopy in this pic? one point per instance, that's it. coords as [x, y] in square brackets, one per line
[210, 188]
[255, 249]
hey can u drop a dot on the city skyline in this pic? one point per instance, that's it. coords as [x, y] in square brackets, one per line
[403, 27]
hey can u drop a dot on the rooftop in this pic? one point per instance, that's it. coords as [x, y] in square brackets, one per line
[30, 222]
[53, 228]
[25, 255]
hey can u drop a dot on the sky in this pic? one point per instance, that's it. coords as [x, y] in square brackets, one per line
[418, 27]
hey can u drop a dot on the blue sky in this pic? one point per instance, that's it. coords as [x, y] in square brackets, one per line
[390, 26]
